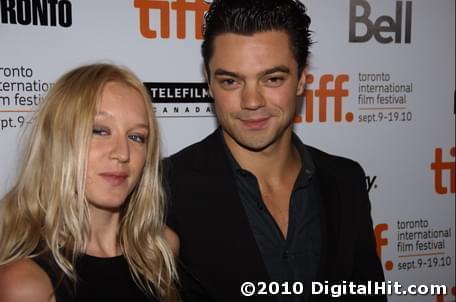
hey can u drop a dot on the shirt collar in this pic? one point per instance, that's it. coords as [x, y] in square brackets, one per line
[304, 176]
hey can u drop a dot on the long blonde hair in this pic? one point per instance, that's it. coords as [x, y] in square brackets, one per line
[47, 205]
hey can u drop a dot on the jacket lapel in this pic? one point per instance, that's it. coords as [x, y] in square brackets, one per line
[338, 214]
[225, 223]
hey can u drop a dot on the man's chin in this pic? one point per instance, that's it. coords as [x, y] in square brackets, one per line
[254, 144]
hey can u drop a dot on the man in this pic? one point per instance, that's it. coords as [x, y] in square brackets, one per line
[251, 202]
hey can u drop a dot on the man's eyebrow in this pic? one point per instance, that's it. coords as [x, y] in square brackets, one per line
[223, 72]
[280, 68]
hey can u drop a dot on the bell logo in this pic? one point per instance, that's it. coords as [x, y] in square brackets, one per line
[381, 242]
[439, 166]
[323, 93]
[382, 26]
[181, 7]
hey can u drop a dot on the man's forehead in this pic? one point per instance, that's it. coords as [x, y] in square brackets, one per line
[260, 52]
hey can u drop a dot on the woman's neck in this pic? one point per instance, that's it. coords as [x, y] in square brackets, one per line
[104, 233]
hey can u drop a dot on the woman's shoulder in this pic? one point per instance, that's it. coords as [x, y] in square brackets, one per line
[173, 240]
[23, 280]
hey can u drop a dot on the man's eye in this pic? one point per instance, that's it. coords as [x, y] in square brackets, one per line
[228, 83]
[274, 81]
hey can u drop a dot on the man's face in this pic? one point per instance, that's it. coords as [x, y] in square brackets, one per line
[254, 82]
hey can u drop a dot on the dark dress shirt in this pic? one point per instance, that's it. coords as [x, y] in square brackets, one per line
[296, 257]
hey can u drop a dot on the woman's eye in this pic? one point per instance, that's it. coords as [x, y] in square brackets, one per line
[137, 138]
[100, 131]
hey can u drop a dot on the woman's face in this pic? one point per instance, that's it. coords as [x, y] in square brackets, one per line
[118, 147]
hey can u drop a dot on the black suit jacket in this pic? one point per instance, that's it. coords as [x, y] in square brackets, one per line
[218, 251]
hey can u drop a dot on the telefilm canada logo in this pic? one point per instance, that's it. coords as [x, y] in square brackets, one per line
[36, 12]
[395, 27]
[173, 100]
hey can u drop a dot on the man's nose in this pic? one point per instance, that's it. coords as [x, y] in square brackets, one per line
[252, 97]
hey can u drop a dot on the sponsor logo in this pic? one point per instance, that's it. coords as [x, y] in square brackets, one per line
[444, 172]
[179, 92]
[382, 241]
[36, 12]
[181, 99]
[162, 10]
[317, 100]
[371, 183]
[419, 244]
[382, 99]
[385, 29]
[447, 298]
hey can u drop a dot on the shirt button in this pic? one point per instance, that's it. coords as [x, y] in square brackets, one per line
[285, 255]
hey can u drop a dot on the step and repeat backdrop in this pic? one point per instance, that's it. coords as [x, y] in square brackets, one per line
[380, 90]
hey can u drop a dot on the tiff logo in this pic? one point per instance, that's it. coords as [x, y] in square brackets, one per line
[329, 87]
[181, 7]
[381, 242]
[441, 298]
[439, 166]
[385, 29]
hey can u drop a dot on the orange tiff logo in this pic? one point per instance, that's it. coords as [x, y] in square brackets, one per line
[330, 88]
[440, 166]
[381, 242]
[441, 298]
[181, 7]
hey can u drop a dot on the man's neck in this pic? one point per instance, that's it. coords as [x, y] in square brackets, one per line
[276, 169]
[273, 163]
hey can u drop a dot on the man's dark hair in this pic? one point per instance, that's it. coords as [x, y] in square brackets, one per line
[247, 17]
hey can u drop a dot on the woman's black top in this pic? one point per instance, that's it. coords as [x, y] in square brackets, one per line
[99, 279]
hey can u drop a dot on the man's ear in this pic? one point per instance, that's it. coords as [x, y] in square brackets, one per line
[301, 83]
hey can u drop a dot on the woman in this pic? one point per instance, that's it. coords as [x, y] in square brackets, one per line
[84, 222]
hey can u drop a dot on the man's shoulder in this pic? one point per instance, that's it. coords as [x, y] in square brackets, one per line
[195, 154]
[190, 150]
[333, 163]
[195, 148]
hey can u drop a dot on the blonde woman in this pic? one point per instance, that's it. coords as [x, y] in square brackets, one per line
[84, 222]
